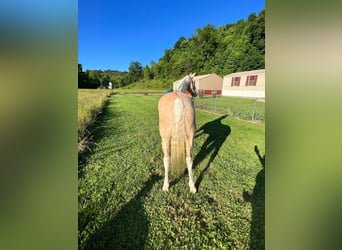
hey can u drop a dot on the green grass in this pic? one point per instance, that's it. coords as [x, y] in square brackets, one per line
[242, 108]
[121, 202]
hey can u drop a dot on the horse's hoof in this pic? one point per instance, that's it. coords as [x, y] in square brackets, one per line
[165, 188]
[193, 190]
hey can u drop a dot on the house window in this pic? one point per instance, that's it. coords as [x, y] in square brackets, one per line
[235, 81]
[251, 80]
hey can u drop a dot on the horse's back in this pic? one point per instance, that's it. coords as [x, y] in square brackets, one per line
[166, 103]
[166, 109]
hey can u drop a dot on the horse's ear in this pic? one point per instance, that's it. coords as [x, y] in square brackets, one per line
[192, 74]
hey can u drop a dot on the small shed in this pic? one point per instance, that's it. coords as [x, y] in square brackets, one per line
[207, 84]
[245, 84]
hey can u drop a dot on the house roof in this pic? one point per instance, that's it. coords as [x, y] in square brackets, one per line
[243, 73]
[200, 77]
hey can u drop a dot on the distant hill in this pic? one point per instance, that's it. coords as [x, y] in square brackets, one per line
[223, 50]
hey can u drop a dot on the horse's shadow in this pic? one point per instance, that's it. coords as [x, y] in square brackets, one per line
[129, 228]
[257, 200]
[216, 133]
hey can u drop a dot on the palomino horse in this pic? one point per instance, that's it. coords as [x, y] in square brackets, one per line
[177, 126]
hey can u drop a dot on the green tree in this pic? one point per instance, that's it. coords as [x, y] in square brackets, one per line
[83, 81]
[178, 44]
[147, 73]
[135, 71]
[155, 70]
[103, 78]
[93, 78]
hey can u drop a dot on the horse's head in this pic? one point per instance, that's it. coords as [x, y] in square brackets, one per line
[191, 85]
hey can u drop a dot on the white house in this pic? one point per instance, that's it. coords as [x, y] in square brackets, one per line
[245, 84]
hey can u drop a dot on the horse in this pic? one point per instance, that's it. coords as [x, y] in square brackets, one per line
[177, 127]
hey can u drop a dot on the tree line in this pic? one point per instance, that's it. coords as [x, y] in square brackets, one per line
[223, 50]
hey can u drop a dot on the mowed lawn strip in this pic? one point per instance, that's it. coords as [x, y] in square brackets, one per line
[121, 202]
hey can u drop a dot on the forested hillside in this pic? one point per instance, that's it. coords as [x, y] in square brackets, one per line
[223, 50]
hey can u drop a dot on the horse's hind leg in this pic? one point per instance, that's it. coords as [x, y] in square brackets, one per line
[189, 162]
[166, 152]
[191, 179]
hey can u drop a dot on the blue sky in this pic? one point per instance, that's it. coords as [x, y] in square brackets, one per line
[113, 33]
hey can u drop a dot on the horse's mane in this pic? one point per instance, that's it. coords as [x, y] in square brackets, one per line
[182, 86]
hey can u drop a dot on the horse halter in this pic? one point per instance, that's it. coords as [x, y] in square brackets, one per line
[192, 87]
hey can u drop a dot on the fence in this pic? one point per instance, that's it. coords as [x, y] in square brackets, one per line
[252, 109]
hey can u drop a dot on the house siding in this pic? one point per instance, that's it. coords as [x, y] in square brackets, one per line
[251, 84]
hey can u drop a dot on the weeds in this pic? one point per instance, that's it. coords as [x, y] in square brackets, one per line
[90, 105]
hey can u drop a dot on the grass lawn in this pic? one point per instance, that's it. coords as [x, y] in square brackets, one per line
[121, 202]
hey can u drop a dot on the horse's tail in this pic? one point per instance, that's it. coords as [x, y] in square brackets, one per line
[178, 139]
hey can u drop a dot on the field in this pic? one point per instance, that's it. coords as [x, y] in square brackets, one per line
[121, 202]
[90, 104]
